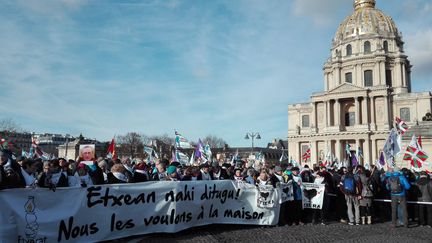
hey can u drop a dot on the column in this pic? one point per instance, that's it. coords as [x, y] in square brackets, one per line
[366, 110]
[383, 73]
[327, 113]
[374, 155]
[366, 151]
[376, 75]
[338, 113]
[298, 155]
[372, 111]
[314, 151]
[386, 110]
[357, 113]
[314, 117]
[338, 149]
[357, 145]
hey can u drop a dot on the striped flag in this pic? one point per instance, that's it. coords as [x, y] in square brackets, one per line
[307, 154]
[401, 126]
[111, 153]
[180, 141]
[415, 153]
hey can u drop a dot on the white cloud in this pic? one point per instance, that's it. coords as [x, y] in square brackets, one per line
[322, 13]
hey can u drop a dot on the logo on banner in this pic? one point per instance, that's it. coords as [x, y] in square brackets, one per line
[313, 195]
[265, 198]
[32, 226]
[287, 191]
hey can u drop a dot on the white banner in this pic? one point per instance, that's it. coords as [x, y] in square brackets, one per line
[312, 195]
[287, 193]
[267, 196]
[114, 211]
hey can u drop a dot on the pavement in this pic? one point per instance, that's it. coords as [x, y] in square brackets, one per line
[333, 232]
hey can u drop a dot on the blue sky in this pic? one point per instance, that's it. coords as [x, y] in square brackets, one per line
[222, 67]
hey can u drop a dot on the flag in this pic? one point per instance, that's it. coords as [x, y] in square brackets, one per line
[199, 149]
[192, 159]
[415, 154]
[234, 157]
[354, 160]
[359, 152]
[401, 126]
[180, 141]
[381, 160]
[173, 156]
[111, 153]
[348, 149]
[307, 154]
[419, 141]
[283, 156]
[207, 151]
[181, 157]
[392, 147]
[24, 154]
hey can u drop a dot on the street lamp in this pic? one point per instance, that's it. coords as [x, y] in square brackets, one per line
[252, 135]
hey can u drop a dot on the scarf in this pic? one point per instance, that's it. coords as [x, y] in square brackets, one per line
[120, 176]
[29, 178]
[205, 176]
[55, 178]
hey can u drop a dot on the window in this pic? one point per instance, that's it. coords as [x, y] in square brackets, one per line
[405, 114]
[349, 119]
[305, 121]
[368, 79]
[348, 77]
[348, 50]
[389, 78]
[385, 44]
[367, 47]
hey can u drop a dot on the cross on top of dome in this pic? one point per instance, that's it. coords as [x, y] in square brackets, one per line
[358, 4]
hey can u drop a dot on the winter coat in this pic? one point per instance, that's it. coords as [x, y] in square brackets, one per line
[425, 187]
[367, 194]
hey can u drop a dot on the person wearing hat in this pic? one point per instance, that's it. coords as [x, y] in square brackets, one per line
[140, 174]
[205, 172]
[172, 174]
[238, 176]
[218, 173]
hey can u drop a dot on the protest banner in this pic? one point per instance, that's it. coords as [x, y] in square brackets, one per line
[287, 193]
[313, 195]
[108, 212]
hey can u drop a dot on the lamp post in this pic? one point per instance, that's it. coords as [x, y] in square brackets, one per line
[252, 135]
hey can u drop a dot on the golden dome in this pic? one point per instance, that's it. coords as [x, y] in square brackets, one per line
[366, 21]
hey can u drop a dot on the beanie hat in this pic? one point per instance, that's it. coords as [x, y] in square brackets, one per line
[171, 169]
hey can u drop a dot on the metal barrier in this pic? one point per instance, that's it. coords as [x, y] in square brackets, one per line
[413, 202]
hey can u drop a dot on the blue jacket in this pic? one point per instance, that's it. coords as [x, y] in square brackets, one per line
[405, 184]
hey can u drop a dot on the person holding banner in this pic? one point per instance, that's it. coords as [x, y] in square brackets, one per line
[296, 210]
[282, 183]
[323, 212]
[54, 177]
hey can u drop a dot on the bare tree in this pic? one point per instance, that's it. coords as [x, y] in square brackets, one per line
[131, 144]
[214, 141]
[9, 125]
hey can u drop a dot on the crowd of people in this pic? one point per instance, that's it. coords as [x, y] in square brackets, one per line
[350, 193]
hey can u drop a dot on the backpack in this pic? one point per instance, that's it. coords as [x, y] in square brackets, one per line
[349, 184]
[367, 190]
[395, 185]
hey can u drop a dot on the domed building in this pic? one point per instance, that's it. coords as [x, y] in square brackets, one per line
[367, 83]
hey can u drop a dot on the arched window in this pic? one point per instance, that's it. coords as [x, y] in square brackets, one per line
[348, 50]
[368, 78]
[385, 44]
[367, 47]
[348, 77]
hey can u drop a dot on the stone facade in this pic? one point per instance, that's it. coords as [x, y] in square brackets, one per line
[366, 85]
